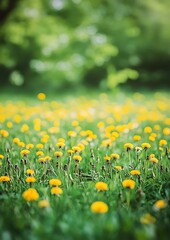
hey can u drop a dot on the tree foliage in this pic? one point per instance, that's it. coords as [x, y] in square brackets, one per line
[65, 42]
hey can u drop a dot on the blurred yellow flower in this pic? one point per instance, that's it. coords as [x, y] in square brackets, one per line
[128, 183]
[43, 204]
[41, 96]
[55, 182]
[160, 204]
[5, 178]
[30, 180]
[56, 191]
[30, 194]
[146, 146]
[128, 146]
[30, 171]
[147, 218]
[135, 172]
[162, 142]
[101, 186]
[99, 207]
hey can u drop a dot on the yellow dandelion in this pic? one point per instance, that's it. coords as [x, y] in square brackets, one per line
[30, 179]
[43, 204]
[56, 191]
[77, 158]
[1, 156]
[147, 218]
[30, 194]
[101, 186]
[135, 172]
[153, 160]
[128, 146]
[99, 207]
[30, 171]
[114, 156]
[128, 183]
[5, 178]
[160, 204]
[146, 146]
[162, 142]
[54, 182]
[58, 154]
[136, 137]
[118, 168]
[41, 96]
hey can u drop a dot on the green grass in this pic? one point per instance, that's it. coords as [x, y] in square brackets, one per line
[69, 215]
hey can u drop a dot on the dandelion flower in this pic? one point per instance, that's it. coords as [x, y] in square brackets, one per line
[54, 182]
[114, 156]
[1, 156]
[146, 146]
[56, 191]
[128, 183]
[4, 179]
[99, 207]
[160, 204]
[30, 194]
[41, 96]
[30, 171]
[162, 142]
[43, 204]
[128, 146]
[135, 172]
[30, 179]
[153, 160]
[77, 158]
[101, 186]
[147, 218]
[118, 168]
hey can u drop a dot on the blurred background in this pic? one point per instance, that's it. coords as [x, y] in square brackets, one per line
[64, 44]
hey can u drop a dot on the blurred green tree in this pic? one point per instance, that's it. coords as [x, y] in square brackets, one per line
[59, 43]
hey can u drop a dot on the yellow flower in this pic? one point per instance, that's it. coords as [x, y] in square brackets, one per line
[166, 131]
[60, 144]
[39, 146]
[21, 144]
[76, 149]
[30, 194]
[24, 152]
[41, 96]
[135, 172]
[128, 146]
[81, 146]
[30, 180]
[4, 133]
[128, 183]
[152, 155]
[56, 191]
[43, 204]
[16, 140]
[54, 182]
[30, 171]
[147, 218]
[99, 207]
[24, 128]
[29, 145]
[58, 154]
[39, 153]
[107, 158]
[162, 142]
[115, 156]
[138, 149]
[118, 168]
[146, 146]
[147, 129]
[70, 151]
[1, 156]
[9, 124]
[77, 158]
[153, 160]
[136, 137]
[5, 179]
[72, 133]
[101, 186]
[160, 204]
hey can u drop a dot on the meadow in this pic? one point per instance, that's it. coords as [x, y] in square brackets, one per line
[81, 167]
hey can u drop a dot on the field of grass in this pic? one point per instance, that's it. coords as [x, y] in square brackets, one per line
[85, 167]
